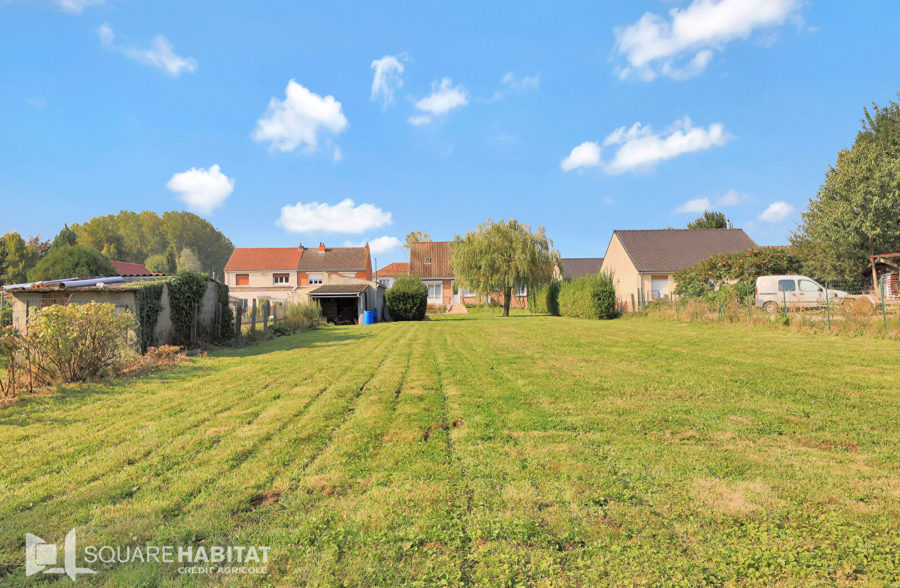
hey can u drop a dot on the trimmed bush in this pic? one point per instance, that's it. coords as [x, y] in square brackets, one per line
[591, 297]
[77, 342]
[544, 299]
[407, 300]
[302, 316]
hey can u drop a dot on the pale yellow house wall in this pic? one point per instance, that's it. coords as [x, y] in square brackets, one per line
[625, 275]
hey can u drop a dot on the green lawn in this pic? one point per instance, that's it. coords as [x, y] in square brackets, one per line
[481, 450]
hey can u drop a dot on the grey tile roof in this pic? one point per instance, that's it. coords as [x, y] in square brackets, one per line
[335, 258]
[576, 267]
[672, 250]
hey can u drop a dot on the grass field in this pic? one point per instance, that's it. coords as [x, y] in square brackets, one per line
[481, 450]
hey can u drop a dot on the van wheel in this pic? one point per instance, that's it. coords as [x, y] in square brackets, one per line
[770, 307]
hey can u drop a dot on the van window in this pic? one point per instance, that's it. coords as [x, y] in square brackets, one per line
[808, 286]
[786, 286]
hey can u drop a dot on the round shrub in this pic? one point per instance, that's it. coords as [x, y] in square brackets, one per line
[407, 299]
[591, 297]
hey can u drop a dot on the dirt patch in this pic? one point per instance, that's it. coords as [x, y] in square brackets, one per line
[457, 423]
[826, 445]
[734, 497]
[156, 358]
[439, 426]
[265, 498]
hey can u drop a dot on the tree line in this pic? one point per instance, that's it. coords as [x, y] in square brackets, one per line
[164, 243]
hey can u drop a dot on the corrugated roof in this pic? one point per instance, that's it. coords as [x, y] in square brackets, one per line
[576, 267]
[335, 259]
[127, 268]
[339, 289]
[398, 268]
[437, 256]
[672, 250]
[263, 258]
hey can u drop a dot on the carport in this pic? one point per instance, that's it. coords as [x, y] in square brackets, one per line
[341, 304]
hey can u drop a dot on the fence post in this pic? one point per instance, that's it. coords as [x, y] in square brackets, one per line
[633, 307]
[238, 315]
[253, 316]
[827, 306]
[784, 308]
[883, 310]
[750, 309]
[265, 310]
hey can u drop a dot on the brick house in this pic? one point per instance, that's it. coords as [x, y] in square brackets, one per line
[386, 275]
[430, 260]
[279, 273]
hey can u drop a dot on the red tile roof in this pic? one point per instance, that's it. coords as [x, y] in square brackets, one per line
[335, 258]
[263, 258]
[126, 268]
[430, 259]
[398, 268]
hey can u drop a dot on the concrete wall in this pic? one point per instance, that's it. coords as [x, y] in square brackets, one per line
[123, 300]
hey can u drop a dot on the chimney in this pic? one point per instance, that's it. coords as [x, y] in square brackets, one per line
[322, 247]
[300, 246]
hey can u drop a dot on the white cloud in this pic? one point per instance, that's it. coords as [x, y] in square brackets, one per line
[585, 155]
[513, 85]
[777, 211]
[682, 45]
[160, 54]
[337, 155]
[729, 198]
[444, 97]
[387, 79]
[378, 245]
[695, 205]
[76, 6]
[203, 190]
[298, 118]
[343, 217]
[641, 148]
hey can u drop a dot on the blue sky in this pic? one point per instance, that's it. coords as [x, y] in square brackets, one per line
[583, 117]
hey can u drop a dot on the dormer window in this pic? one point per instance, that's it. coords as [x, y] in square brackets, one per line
[427, 260]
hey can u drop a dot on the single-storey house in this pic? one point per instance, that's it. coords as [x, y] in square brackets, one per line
[386, 275]
[644, 262]
[572, 268]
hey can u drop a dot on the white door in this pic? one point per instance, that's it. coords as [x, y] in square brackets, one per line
[811, 294]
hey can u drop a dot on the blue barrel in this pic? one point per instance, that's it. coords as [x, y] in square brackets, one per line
[370, 317]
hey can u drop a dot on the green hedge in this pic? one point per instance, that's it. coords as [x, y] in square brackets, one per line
[544, 299]
[407, 299]
[186, 291]
[591, 297]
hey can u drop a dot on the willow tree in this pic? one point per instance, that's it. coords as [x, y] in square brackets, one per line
[496, 257]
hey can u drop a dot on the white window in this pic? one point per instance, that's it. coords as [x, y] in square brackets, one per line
[281, 278]
[808, 286]
[520, 290]
[469, 293]
[435, 292]
[315, 279]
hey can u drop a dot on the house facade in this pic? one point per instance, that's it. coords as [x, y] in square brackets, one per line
[430, 260]
[643, 262]
[386, 275]
[263, 273]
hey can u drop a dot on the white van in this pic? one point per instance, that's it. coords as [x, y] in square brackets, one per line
[773, 292]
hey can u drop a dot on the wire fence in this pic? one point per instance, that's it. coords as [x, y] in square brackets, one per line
[851, 308]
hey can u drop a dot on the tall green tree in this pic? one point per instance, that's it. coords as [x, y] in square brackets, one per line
[856, 211]
[65, 238]
[16, 258]
[131, 236]
[72, 262]
[188, 261]
[710, 219]
[499, 256]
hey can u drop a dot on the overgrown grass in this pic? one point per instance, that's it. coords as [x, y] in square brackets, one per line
[481, 450]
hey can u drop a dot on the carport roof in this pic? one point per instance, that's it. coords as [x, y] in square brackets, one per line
[338, 289]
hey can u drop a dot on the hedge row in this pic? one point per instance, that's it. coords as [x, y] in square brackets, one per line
[590, 297]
